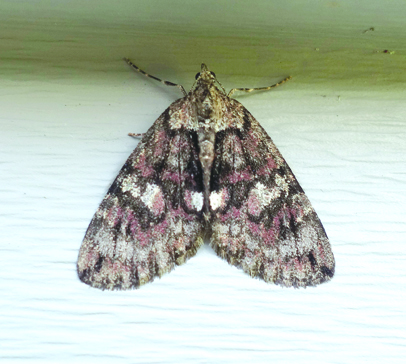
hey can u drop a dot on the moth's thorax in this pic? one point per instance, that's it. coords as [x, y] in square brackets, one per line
[205, 96]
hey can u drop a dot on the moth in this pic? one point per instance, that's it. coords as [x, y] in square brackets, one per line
[206, 169]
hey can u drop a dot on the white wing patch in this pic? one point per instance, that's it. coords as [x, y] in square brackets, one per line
[197, 200]
[153, 198]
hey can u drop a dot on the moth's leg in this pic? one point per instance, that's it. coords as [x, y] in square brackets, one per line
[136, 135]
[155, 78]
[258, 88]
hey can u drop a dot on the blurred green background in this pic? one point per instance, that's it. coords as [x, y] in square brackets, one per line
[336, 45]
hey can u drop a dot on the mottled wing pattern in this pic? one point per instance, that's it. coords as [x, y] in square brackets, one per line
[262, 220]
[151, 218]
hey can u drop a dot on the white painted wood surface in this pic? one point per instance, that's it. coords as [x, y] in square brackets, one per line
[64, 119]
[61, 146]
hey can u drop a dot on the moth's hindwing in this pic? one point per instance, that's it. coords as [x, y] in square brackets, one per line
[262, 220]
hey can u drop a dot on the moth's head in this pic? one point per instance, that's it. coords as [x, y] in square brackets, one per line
[206, 79]
[205, 75]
